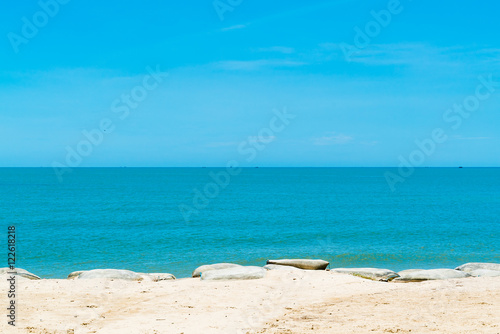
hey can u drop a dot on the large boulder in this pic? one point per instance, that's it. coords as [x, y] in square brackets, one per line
[108, 274]
[234, 273]
[368, 273]
[216, 266]
[301, 263]
[402, 272]
[281, 268]
[484, 273]
[468, 267]
[19, 272]
[431, 274]
[5, 277]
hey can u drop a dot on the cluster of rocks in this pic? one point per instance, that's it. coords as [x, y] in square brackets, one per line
[120, 274]
[228, 271]
[96, 273]
[232, 271]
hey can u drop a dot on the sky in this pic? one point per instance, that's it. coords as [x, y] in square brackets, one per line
[210, 83]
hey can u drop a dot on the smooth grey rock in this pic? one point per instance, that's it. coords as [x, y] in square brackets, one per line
[368, 273]
[478, 265]
[19, 272]
[156, 277]
[431, 274]
[110, 274]
[484, 273]
[301, 263]
[5, 277]
[234, 273]
[278, 267]
[400, 273]
[216, 266]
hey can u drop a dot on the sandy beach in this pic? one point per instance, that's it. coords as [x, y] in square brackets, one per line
[282, 302]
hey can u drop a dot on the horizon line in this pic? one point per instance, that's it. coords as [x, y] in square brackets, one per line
[458, 166]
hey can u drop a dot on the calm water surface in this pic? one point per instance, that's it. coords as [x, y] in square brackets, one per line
[129, 218]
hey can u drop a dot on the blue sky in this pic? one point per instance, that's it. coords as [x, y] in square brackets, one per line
[224, 76]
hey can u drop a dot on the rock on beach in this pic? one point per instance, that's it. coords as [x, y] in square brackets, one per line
[234, 273]
[301, 263]
[19, 272]
[107, 274]
[216, 266]
[431, 274]
[471, 266]
[375, 274]
[484, 273]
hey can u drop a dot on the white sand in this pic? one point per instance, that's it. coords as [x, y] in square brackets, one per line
[283, 302]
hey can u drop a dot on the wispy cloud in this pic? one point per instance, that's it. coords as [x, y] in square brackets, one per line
[256, 139]
[235, 27]
[402, 54]
[222, 144]
[278, 49]
[250, 139]
[332, 138]
[369, 143]
[411, 54]
[252, 65]
[459, 137]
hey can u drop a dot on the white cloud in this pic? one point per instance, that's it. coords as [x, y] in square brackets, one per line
[257, 139]
[235, 27]
[400, 54]
[250, 65]
[459, 137]
[279, 49]
[222, 144]
[416, 54]
[332, 138]
[369, 143]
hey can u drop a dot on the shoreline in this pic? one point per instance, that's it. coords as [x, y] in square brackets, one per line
[279, 303]
[250, 263]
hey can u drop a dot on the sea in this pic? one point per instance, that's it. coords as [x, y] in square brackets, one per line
[175, 219]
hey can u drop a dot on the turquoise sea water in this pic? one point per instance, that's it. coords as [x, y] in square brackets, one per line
[129, 218]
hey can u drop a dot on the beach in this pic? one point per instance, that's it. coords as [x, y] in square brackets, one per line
[282, 302]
